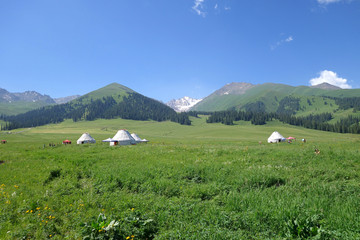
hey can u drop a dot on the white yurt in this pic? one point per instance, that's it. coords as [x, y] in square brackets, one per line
[137, 138]
[85, 138]
[276, 137]
[123, 137]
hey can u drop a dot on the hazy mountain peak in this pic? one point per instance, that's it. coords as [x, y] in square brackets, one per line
[326, 86]
[183, 104]
[65, 99]
[27, 96]
[234, 88]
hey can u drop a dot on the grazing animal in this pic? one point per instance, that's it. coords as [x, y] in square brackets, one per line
[317, 151]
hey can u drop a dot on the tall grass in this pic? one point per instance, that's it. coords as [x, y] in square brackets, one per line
[206, 181]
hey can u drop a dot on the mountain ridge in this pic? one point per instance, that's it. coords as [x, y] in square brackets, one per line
[109, 102]
[235, 96]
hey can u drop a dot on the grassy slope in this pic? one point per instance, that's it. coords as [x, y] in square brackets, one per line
[267, 92]
[19, 107]
[206, 181]
[117, 91]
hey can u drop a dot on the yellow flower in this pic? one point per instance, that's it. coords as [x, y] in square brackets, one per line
[132, 209]
[127, 237]
[50, 235]
[132, 236]
[38, 208]
[31, 211]
[16, 186]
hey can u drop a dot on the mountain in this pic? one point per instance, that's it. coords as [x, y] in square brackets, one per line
[326, 86]
[111, 101]
[15, 103]
[271, 97]
[28, 96]
[65, 99]
[183, 104]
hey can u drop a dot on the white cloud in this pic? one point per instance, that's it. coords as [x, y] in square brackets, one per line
[289, 39]
[227, 8]
[331, 78]
[198, 7]
[216, 6]
[328, 1]
[286, 40]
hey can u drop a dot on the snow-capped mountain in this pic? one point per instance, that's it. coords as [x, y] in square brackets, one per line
[183, 104]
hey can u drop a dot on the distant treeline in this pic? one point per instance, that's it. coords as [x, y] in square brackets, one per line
[134, 106]
[318, 121]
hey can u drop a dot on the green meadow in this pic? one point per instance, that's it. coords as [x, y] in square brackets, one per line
[205, 181]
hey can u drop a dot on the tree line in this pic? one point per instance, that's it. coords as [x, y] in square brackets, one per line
[349, 124]
[134, 106]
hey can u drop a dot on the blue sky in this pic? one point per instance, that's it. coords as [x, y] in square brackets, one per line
[168, 49]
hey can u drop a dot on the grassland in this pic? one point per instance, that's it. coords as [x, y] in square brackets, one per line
[206, 181]
[19, 107]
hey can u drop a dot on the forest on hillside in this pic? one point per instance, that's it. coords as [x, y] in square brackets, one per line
[288, 106]
[134, 106]
[138, 107]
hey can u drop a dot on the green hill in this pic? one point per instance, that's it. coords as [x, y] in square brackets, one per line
[111, 101]
[268, 97]
[115, 90]
[14, 108]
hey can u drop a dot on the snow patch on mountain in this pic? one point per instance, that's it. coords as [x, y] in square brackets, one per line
[183, 104]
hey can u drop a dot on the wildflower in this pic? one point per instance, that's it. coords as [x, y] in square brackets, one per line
[132, 209]
[103, 210]
[132, 236]
[8, 202]
[38, 208]
[128, 237]
[32, 211]
[50, 235]
[16, 186]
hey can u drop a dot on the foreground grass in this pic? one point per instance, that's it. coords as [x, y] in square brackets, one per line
[206, 181]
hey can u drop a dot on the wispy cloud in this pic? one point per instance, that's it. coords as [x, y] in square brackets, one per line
[281, 42]
[203, 8]
[325, 2]
[330, 77]
[199, 7]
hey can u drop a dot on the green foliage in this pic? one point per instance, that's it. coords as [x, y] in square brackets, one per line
[101, 228]
[133, 225]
